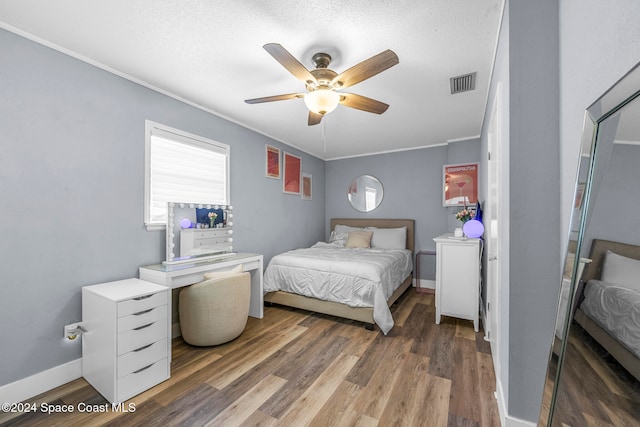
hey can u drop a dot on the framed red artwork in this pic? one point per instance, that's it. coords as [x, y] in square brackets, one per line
[306, 186]
[292, 173]
[272, 162]
[460, 184]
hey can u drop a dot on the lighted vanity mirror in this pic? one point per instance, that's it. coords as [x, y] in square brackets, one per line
[593, 374]
[198, 232]
[365, 193]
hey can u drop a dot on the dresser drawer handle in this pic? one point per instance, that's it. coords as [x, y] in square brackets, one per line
[143, 347]
[143, 326]
[143, 297]
[142, 369]
[143, 312]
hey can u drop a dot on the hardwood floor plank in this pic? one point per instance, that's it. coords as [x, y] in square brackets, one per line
[458, 421]
[301, 371]
[482, 345]
[338, 409]
[441, 349]
[241, 361]
[359, 340]
[298, 368]
[241, 409]
[463, 330]
[404, 308]
[319, 392]
[374, 397]
[486, 400]
[465, 377]
[362, 372]
[417, 399]
[260, 419]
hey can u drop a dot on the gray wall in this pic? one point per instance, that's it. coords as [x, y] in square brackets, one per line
[617, 201]
[71, 180]
[412, 182]
[534, 222]
[599, 43]
[527, 64]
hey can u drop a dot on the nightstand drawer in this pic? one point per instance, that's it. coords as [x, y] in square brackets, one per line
[142, 379]
[141, 318]
[141, 357]
[141, 336]
[141, 303]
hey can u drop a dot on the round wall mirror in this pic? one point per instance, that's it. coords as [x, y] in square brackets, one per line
[365, 193]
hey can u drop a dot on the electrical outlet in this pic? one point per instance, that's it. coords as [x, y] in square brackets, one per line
[72, 331]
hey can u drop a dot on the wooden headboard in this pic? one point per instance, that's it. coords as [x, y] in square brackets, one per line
[598, 250]
[380, 223]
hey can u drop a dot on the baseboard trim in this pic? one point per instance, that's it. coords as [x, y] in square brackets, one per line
[36, 384]
[427, 284]
[505, 419]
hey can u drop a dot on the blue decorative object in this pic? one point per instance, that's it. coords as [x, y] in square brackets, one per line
[185, 223]
[473, 228]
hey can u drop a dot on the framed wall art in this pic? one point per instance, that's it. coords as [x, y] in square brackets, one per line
[292, 173]
[306, 186]
[272, 162]
[460, 184]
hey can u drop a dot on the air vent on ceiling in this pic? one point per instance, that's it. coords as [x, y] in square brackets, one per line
[463, 83]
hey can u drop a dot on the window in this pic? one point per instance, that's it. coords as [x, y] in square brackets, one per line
[181, 167]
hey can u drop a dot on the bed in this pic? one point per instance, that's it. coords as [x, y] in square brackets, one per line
[609, 308]
[289, 277]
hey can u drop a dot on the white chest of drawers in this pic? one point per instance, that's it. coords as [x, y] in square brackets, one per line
[126, 348]
[458, 278]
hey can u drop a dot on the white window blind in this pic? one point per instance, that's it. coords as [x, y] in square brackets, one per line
[183, 168]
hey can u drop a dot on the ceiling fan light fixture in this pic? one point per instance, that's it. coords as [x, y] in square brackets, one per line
[321, 101]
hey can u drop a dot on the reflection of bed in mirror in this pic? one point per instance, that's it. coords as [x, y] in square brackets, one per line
[286, 280]
[609, 312]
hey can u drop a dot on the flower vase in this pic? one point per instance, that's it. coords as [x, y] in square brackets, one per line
[211, 222]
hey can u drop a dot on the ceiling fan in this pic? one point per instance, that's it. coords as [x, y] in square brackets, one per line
[322, 83]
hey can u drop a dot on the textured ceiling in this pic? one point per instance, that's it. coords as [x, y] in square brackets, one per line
[210, 54]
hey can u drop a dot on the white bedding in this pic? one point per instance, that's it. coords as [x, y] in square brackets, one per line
[616, 309]
[355, 277]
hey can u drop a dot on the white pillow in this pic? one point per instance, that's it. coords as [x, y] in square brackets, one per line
[388, 238]
[216, 274]
[338, 239]
[339, 228]
[621, 270]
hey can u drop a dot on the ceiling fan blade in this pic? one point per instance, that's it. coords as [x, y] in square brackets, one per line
[274, 98]
[363, 103]
[289, 62]
[314, 118]
[367, 68]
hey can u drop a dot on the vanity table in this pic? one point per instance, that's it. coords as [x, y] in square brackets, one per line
[458, 278]
[179, 275]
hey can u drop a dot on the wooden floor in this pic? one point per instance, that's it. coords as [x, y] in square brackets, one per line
[295, 368]
[595, 390]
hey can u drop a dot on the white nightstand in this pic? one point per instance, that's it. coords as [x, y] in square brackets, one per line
[458, 278]
[126, 348]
